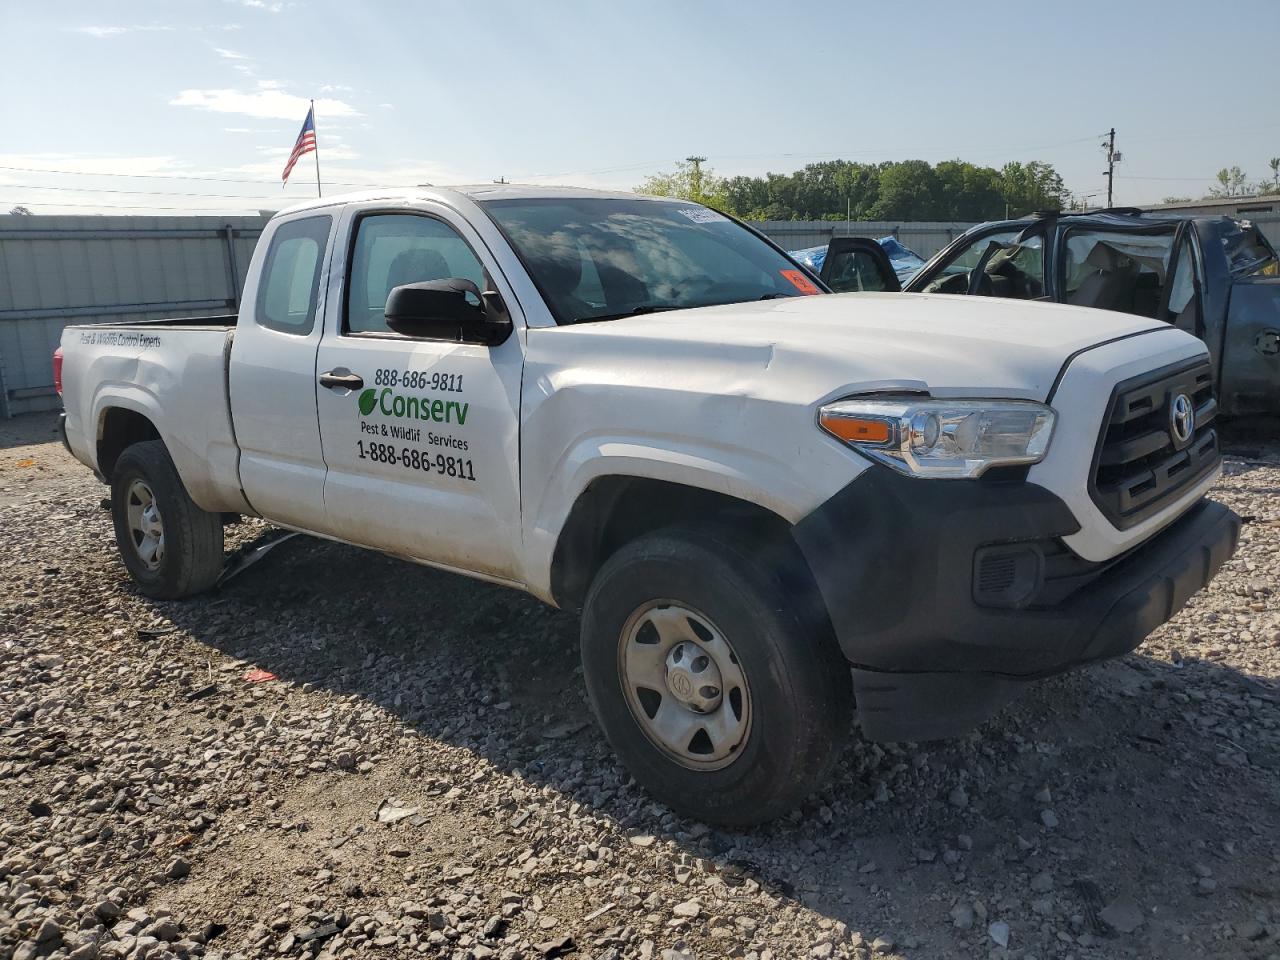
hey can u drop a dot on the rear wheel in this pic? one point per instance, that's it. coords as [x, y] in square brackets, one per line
[170, 546]
[712, 687]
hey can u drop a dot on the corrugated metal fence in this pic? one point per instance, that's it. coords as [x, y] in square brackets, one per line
[56, 271]
[925, 238]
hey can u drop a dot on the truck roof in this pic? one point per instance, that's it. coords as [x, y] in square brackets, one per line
[479, 191]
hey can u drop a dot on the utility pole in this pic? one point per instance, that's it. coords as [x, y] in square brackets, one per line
[695, 178]
[1113, 157]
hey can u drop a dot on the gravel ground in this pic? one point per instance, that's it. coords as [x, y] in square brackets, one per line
[337, 753]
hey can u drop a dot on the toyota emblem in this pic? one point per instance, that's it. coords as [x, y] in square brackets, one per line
[1182, 419]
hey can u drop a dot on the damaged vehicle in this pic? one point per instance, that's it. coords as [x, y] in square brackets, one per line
[1214, 277]
[775, 509]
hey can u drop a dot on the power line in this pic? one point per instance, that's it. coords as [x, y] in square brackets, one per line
[144, 193]
[166, 176]
[101, 206]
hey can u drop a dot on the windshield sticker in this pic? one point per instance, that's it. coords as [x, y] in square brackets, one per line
[800, 282]
[701, 214]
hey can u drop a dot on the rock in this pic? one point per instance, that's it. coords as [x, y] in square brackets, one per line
[1043, 795]
[1250, 930]
[164, 929]
[882, 945]
[1206, 886]
[107, 909]
[48, 935]
[562, 731]
[822, 951]
[556, 947]
[643, 840]
[27, 950]
[964, 842]
[1049, 818]
[177, 869]
[1122, 914]
[958, 797]
[999, 933]
[1042, 882]
[392, 811]
[962, 916]
[38, 808]
[689, 909]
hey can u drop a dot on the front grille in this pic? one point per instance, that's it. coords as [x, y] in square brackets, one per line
[1141, 463]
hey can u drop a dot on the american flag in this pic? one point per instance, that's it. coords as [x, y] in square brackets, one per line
[306, 143]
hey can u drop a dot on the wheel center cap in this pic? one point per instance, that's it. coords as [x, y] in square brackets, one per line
[693, 677]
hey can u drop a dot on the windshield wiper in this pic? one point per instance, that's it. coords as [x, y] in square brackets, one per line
[642, 309]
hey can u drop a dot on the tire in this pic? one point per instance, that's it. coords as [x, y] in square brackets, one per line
[708, 586]
[178, 553]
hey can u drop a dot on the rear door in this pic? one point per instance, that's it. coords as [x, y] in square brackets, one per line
[1248, 268]
[272, 375]
[420, 436]
[858, 264]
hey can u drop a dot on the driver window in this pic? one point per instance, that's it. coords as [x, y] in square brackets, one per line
[394, 249]
[953, 276]
[1012, 269]
[1015, 271]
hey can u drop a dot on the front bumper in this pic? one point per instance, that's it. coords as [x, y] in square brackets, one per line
[894, 559]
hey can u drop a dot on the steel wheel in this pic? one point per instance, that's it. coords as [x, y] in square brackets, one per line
[145, 526]
[684, 685]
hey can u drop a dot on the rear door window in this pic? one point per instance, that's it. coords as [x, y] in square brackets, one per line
[1115, 270]
[290, 281]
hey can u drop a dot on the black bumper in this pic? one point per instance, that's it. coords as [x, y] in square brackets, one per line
[899, 564]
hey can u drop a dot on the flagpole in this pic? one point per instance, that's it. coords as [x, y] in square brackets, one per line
[317, 149]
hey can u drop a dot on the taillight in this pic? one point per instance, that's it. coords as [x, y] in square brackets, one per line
[57, 370]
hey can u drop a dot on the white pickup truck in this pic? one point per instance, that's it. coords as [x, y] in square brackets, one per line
[774, 506]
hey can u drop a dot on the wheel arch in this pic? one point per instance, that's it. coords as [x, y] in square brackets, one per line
[615, 509]
[119, 427]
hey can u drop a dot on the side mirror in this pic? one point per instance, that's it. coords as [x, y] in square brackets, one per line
[433, 308]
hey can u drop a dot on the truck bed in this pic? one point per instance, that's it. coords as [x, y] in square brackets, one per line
[173, 372]
[226, 321]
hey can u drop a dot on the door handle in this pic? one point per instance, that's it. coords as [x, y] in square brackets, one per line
[341, 379]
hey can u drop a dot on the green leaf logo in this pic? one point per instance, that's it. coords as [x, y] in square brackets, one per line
[368, 400]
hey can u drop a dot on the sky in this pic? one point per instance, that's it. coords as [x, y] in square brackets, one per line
[194, 105]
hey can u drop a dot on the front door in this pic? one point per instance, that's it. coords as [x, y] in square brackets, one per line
[420, 436]
[858, 264]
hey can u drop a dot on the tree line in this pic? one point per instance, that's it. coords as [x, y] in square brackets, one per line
[1234, 182]
[897, 190]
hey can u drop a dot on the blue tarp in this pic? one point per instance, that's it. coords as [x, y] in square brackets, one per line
[905, 260]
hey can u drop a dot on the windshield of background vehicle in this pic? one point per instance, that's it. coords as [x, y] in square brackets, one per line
[598, 259]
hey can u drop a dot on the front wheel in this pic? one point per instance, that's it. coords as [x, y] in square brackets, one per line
[170, 546]
[712, 688]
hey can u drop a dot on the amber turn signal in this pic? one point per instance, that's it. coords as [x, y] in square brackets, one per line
[857, 429]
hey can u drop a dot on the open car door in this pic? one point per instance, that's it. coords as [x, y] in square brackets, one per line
[858, 264]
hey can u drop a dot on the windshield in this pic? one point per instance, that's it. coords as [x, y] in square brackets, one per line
[1247, 250]
[596, 258]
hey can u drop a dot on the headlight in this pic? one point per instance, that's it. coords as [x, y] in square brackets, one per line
[942, 438]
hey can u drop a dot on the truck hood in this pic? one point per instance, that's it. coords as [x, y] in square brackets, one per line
[950, 345]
